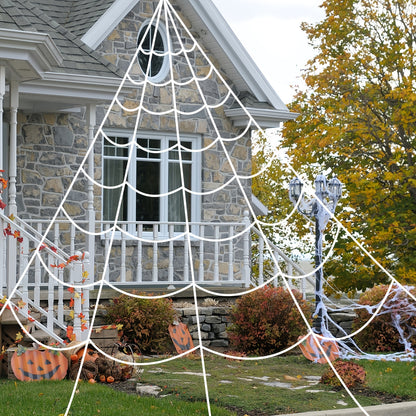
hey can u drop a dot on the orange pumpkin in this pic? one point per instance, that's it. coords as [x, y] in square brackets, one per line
[39, 365]
[110, 379]
[102, 378]
[91, 381]
[90, 356]
[313, 353]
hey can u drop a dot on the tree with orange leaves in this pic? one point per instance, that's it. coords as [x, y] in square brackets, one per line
[358, 119]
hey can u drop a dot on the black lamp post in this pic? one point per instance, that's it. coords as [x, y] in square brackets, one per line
[320, 209]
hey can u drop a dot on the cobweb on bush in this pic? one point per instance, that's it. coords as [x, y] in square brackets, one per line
[191, 68]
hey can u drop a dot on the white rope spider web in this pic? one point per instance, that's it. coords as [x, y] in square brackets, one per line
[204, 107]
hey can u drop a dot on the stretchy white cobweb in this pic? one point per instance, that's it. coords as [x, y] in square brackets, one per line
[191, 69]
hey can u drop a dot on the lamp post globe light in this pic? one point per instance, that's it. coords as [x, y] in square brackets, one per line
[320, 208]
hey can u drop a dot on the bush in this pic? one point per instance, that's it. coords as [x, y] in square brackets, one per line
[145, 322]
[352, 374]
[381, 335]
[266, 321]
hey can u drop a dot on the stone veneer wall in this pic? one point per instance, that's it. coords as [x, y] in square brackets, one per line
[118, 48]
[52, 146]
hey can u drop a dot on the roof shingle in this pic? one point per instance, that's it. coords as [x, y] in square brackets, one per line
[78, 58]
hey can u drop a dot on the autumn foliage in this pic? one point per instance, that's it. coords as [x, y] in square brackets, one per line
[358, 118]
[266, 321]
[352, 374]
[145, 322]
[382, 335]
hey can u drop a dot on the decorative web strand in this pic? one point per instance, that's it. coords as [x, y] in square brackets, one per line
[164, 7]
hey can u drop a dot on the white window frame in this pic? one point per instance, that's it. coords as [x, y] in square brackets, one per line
[196, 173]
[164, 70]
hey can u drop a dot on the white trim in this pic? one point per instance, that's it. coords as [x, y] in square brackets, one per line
[61, 91]
[258, 207]
[28, 54]
[264, 117]
[236, 53]
[164, 70]
[164, 162]
[107, 22]
[235, 56]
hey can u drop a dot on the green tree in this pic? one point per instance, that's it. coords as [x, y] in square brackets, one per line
[358, 117]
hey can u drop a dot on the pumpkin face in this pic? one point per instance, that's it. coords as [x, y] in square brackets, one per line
[34, 365]
[181, 338]
[313, 353]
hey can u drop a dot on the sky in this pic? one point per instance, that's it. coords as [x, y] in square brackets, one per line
[270, 31]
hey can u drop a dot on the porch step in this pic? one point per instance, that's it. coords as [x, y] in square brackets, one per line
[7, 318]
[40, 336]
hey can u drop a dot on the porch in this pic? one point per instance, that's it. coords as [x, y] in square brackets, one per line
[49, 279]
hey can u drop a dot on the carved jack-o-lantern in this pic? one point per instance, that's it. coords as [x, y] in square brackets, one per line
[313, 353]
[39, 365]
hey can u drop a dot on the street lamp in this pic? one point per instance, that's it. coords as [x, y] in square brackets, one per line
[320, 209]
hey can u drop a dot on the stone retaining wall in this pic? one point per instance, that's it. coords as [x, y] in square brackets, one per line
[214, 321]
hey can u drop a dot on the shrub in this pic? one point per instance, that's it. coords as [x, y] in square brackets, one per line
[145, 322]
[381, 335]
[266, 321]
[352, 374]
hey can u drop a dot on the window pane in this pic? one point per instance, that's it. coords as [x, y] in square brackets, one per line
[148, 181]
[153, 145]
[176, 205]
[113, 150]
[147, 45]
[114, 171]
[174, 154]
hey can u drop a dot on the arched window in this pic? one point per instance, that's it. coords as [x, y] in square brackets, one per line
[153, 46]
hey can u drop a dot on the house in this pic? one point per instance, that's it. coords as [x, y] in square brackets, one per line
[126, 142]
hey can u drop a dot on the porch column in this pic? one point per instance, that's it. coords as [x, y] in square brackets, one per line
[91, 121]
[2, 92]
[3, 275]
[11, 242]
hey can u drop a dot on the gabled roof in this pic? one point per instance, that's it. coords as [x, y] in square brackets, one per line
[76, 16]
[78, 58]
[219, 38]
[78, 27]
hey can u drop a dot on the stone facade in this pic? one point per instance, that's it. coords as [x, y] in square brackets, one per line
[51, 147]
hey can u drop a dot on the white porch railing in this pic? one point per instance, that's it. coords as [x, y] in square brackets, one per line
[162, 255]
[22, 282]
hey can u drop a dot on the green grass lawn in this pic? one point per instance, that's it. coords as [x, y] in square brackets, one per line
[249, 386]
[51, 398]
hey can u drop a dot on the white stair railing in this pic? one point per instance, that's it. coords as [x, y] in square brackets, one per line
[264, 247]
[50, 266]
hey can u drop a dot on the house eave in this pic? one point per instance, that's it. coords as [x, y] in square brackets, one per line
[236, 53]
[265, 118]
[36, 50]
[107, 22]
[209, 23]
[57, 91]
